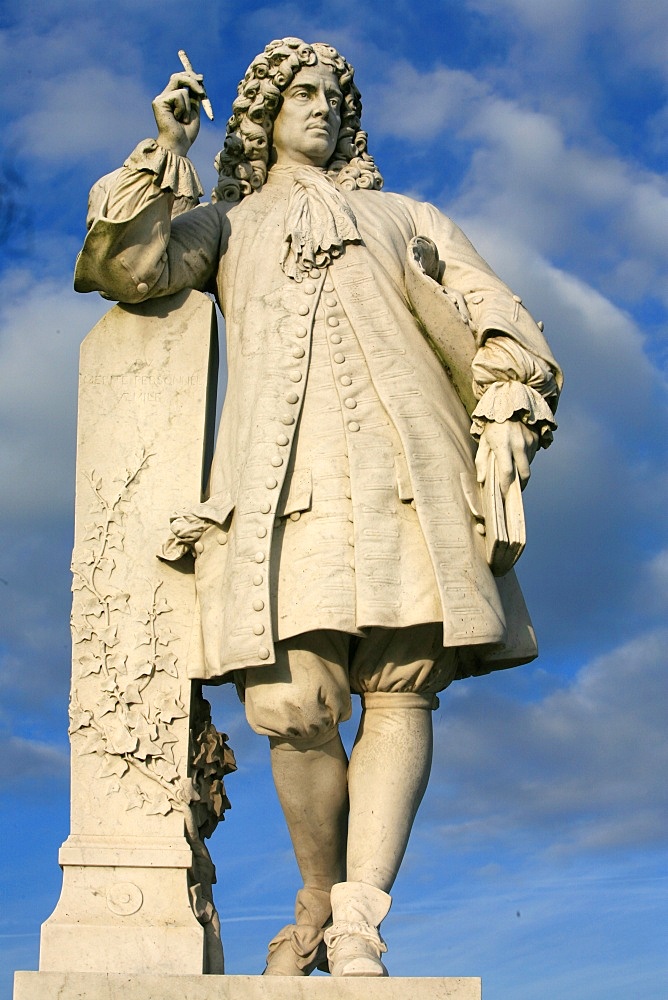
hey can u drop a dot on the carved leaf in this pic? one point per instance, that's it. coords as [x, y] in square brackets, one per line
[159, 805]
[165, 769]
[162, 607]
[94, 744]
[115, 542]
[138, 670]
[88, 557]
[165, 636]
[80, 718]
[131, 695]
[109, 636]
[89, 663]
[117, 662]
[106, 565]
[136, 798]
[81, 633]
[149, 745]
[188, 791]
[92, 606]
[119, 738]
[146, 640]
[169, 708]
[94, 531]
[119, 602]
[166, 662]
[106, 705]
[112, 766]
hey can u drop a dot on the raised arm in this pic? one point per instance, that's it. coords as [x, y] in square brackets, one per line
[133, 250]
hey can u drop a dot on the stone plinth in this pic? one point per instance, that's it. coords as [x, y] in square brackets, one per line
[78, 986]
[131, 900]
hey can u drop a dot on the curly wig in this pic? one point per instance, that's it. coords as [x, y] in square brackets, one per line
[243, 162]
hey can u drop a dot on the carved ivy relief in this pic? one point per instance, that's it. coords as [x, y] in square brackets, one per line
[128, 717]
[130, 726]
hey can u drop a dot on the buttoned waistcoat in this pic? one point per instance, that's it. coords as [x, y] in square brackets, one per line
[269, 321]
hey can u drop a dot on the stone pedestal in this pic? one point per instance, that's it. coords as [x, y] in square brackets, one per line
[76, 986]
[133, 900]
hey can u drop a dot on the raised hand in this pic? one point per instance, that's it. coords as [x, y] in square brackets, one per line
[177, 110]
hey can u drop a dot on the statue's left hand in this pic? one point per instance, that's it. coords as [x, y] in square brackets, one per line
[514, 446]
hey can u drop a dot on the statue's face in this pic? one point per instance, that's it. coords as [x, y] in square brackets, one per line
[306, 128]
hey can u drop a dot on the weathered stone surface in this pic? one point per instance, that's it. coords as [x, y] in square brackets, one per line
[74, 986]
[126, 900]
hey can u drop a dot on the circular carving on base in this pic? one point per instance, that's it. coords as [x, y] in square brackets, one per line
[124, 898]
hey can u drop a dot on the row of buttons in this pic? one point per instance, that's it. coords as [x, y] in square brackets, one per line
[339, 357]
[292, 398]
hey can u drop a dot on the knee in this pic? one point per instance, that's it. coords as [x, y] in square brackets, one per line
[300, 701]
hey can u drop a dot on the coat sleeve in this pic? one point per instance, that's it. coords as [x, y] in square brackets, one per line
[135, 249]
[514, 374]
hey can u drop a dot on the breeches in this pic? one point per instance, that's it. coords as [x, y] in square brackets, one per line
[302, 697]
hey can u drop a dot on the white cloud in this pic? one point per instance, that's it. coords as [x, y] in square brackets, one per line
[22, 759]
[42, 326]
[581, 769]
[53, 132]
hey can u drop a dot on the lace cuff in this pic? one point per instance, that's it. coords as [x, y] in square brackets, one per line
[172, 172]
[507, 400]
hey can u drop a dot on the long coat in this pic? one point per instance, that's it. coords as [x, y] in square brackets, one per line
[235, 252]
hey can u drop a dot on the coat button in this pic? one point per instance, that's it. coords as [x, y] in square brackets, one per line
[295, 376]
[350, 403]
[335, 338]
[346, 380]
[314, 273]
[309, 288]
[271, 483]
[277, 461]
[199, 548]
[263, 653]
[142, 288]
[258, 629]
[258, 604]
[332, 321]
[222, 539]
[292, 397]
[298, 352]
[303, 310]
[282, 440]
[261, 532]
[259, 557]
[331, 301]
[296, 514]
[353, 426]
[258, 580]
[301, 331]
[339, 358]
[265, 507]
[287, 419]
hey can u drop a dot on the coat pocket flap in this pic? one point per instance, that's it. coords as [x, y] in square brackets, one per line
[298, 495]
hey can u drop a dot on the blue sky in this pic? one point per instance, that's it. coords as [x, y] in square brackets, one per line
[539, 857]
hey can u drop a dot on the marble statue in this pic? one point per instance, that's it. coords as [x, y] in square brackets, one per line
[386, 395]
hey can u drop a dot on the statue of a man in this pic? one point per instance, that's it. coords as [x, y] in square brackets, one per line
[339, 548]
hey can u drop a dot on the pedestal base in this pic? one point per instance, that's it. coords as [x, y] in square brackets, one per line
[85, 986]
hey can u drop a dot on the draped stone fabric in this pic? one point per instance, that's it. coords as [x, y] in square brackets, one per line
[403, 436]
